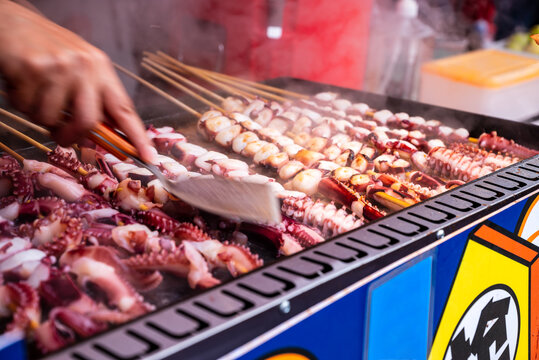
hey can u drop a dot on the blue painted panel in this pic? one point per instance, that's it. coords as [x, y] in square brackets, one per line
[508, 218]
[398, 324]
[448, 256]
[12, 346]
[336, 332]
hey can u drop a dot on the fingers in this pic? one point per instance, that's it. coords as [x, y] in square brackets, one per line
[51, 100]
[86, 114]
[122, 113]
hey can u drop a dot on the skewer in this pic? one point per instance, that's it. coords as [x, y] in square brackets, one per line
[200, 98]
[206, 78]
[171, 62]
[28, 140]
[24, 137]
[392, 199]
[247, 82]
[25, 122]
[259, 86]
[249, 88]
[11, 152]
[154, 59]
[161, 71]
[158, 91]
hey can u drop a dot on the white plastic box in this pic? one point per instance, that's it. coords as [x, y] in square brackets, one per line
[491, 82]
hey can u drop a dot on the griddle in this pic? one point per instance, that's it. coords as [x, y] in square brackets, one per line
[213, 322]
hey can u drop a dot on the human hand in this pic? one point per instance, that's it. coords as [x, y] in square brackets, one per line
[49, 69]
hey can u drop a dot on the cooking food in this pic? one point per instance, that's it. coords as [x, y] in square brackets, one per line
[85, 241]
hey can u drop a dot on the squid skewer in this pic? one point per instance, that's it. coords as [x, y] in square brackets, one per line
[211, 126]
[220, 165]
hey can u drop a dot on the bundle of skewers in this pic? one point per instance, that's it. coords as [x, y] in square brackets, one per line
[86, 237]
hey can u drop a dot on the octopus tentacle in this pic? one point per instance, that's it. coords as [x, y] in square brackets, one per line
[61, 328]
[184, 261]
[67, 160]
[456, 165]
[491, 141]
[99, 266]
[329, 219]
[8, 162]
[20, 184]
[238, 259]
[305, 235]
[25, 300]
[484, 157]
[70, 238]
[158, 220]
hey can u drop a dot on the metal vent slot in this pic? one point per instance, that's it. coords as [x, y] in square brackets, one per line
[452, 204]
[78, 356]
[262, 282]
[528, 169]
[385, 237]
[428, 216]
[519, 184]
[479, 193]
[315, 271]
[181, 324]
[134, 349]
[346, 256]
[418, 229]
[227, 308]
[358, 246]
[526, 174]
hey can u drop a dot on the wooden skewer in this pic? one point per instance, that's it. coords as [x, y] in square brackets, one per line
[154, 59]
[167, 63]
[152, 66]
[25, 122]
[28, 140]
[171, 62]
[206, 78]
[473, 140]
[261, 86]
[158, 91]
[24, 137]
[200, 98]
[248, 82]
[249, 89]
[11, 152]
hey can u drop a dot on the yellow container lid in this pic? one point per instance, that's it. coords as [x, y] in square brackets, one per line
[486, 68]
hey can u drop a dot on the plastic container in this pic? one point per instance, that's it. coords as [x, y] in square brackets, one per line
[491, 82]
[399, 43]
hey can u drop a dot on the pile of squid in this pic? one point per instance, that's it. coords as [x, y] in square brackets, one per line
[335, 152]
[86, 237]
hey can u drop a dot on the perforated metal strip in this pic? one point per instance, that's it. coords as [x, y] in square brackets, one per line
[195, 320]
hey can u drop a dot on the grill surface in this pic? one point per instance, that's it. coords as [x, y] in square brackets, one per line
[220, 319]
